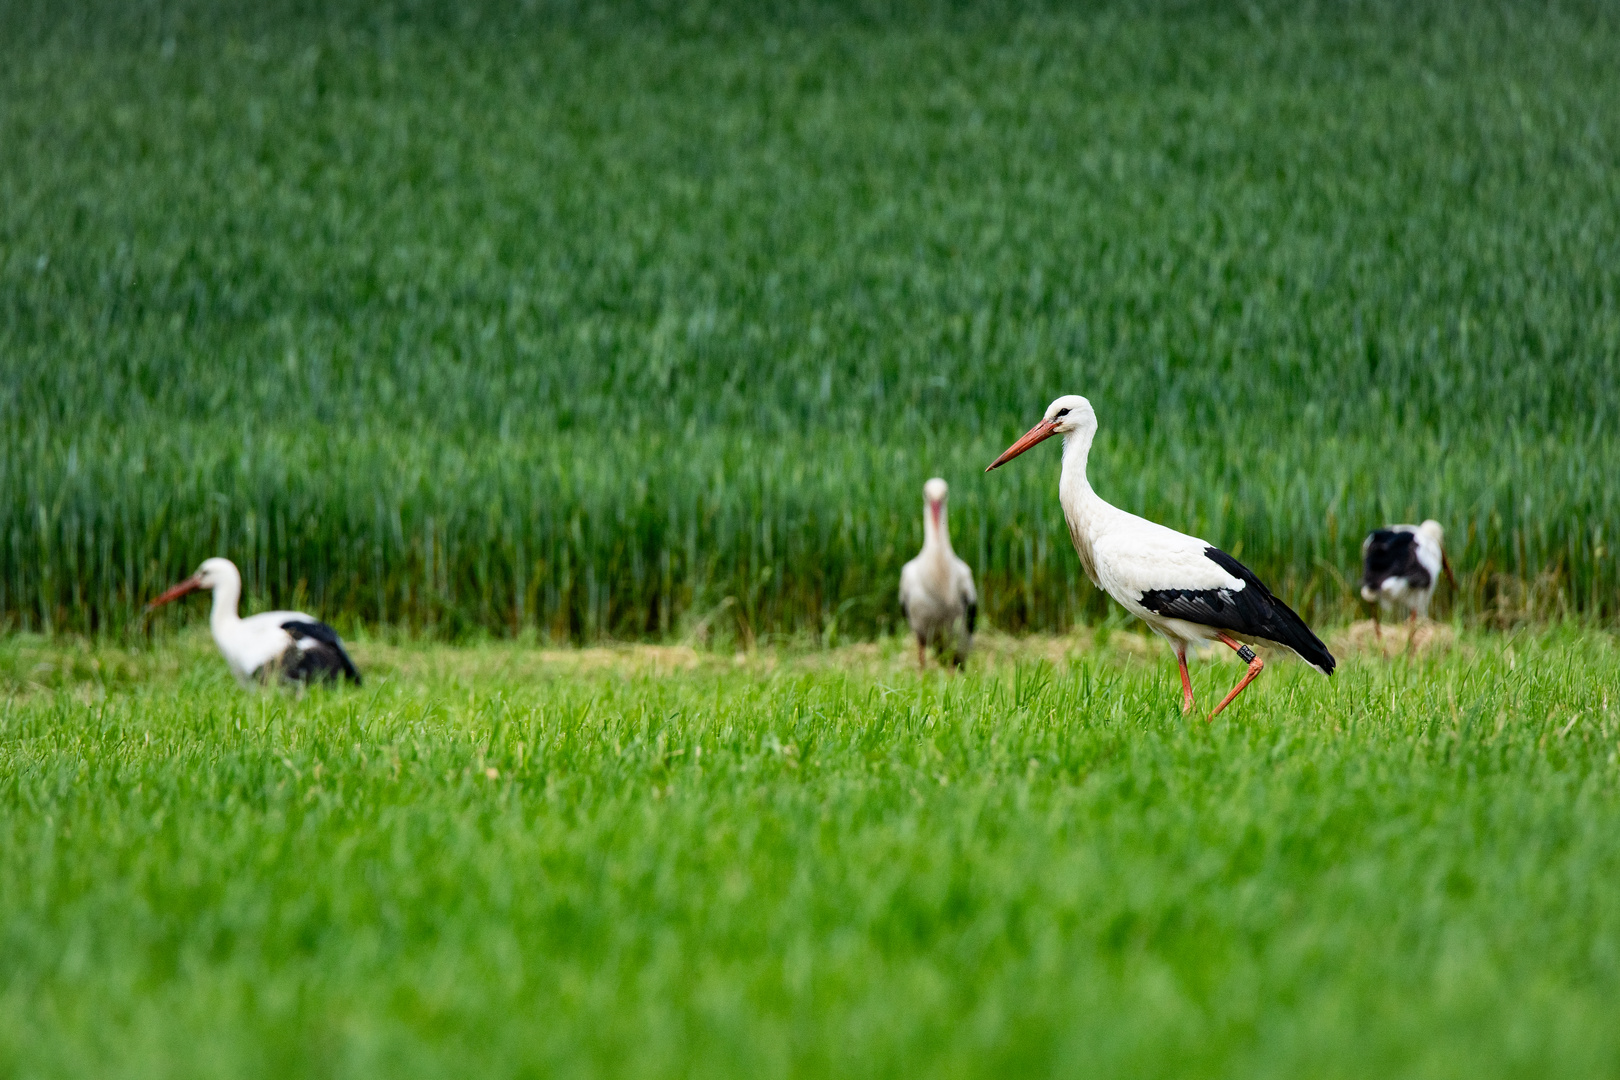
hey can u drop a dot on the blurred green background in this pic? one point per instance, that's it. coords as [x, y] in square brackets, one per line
[621, 320]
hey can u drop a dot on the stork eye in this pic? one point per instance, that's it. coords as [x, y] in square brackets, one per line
[1061, 413]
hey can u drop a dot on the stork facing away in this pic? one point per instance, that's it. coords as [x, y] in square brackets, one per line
[1188, 591]
[297, 647]
[1400, 567]
[936, 588]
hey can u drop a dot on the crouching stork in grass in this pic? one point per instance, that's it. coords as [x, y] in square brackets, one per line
[1400, 567]
[936, 588]
[299, 648]
[1188, 591]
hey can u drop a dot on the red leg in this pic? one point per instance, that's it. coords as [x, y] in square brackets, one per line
[1187, 703]
[1411, 637]
[1256, 665]
[1378, 630]
[922, 654]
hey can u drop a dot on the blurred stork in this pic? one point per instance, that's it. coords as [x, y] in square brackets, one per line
[936, 588]
[1400, 567]
[1186, 590]
[298, 647]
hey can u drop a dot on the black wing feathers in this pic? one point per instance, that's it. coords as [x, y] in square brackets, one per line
[1392, 553]
[1250, 611]
[324, 661]
[972, 614]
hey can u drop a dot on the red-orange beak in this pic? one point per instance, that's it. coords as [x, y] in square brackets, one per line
[191, 584]
[1445, 564]
[1039, 433]
[934, 508]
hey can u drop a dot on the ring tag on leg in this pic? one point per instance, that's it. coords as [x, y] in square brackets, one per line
[1246, 653]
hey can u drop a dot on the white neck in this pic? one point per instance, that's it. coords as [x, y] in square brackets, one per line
[1076, 452]
[1083, 508]
[227, 595]
[936, 538]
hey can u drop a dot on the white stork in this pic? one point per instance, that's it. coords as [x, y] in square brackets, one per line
[936, 588]
[1400, 566]
[1187, 590]
[299, 647]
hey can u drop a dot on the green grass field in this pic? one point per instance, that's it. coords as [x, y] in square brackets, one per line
[484, 318]
[493, 330]
[503, 861]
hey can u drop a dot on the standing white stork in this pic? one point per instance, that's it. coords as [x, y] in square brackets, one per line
[1187, 590]
[1400, 566]
[299, 647]
[936, 588]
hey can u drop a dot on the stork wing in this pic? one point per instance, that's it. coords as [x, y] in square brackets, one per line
[321, 652]
[1182, 577]
[963, 575]
[962, 579]
[1388, 553]
[1251, 612]
[1137, 560]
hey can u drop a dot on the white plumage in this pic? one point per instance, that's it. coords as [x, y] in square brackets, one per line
[1186, 589]
[936, 588]
[293, 644]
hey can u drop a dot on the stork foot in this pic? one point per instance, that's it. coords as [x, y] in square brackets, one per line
[1256, 666]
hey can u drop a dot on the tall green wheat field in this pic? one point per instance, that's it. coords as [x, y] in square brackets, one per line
[620, 321]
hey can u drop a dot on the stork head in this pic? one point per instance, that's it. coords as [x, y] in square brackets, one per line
[935, 493]
[210, 575]
[1068, 415]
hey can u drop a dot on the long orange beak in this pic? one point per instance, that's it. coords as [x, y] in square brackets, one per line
[1039, 433]
[1445, 564]
[191, 584]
